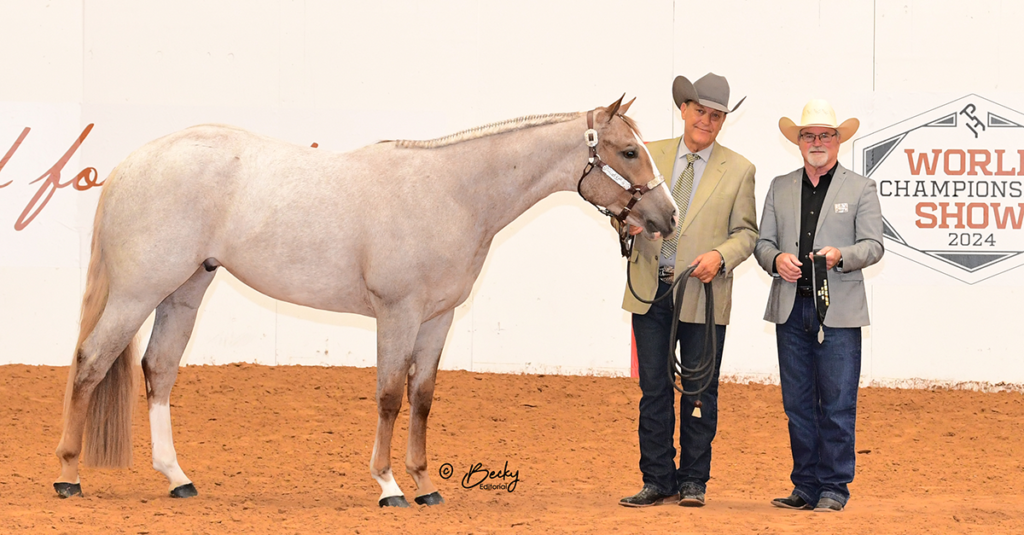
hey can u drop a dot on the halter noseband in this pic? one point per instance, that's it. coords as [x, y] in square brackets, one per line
[636, 192]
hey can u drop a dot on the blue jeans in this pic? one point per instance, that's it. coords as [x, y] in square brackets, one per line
[657, 405]
[819, 393]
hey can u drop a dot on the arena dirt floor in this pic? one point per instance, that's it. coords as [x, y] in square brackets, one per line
[286, 450]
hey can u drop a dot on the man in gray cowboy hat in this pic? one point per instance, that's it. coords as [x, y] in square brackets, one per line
[819, 304]
[714, 191]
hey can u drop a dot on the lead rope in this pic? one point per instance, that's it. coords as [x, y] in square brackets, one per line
[703, 372]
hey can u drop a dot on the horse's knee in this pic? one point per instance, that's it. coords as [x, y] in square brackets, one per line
[389, 403]
[420, 407]
[420, 398]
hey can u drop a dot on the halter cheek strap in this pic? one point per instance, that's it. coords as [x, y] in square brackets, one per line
[636, 192]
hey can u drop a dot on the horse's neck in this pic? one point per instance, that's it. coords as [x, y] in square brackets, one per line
[519, 169]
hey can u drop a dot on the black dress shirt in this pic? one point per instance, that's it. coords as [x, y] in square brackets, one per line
[811, 200]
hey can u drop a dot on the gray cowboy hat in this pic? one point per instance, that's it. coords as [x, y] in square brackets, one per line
[711, 91]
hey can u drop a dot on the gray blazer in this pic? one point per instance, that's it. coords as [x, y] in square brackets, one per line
[850, 220]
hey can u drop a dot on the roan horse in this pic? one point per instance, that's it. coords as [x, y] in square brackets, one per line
[396, 230]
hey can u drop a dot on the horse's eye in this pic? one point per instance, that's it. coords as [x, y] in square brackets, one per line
[629, 154]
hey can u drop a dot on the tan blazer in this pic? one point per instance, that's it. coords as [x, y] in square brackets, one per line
[721, 217]
[850, 220]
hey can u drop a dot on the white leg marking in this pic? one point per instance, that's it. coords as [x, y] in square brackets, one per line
[165, 460]
[388, 485]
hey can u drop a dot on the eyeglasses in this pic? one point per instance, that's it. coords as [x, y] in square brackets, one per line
[825, 137]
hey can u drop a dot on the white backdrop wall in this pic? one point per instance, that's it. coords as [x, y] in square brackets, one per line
[344, 74]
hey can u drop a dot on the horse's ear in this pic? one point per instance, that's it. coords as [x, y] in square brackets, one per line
[625, 107]
[614, 108]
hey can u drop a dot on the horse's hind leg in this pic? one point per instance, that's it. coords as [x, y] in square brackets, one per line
[396, 336]
[108, 415]
[422, 376]
[175, 318]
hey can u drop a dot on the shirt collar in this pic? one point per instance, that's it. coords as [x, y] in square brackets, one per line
[827, 176]
[704, 154]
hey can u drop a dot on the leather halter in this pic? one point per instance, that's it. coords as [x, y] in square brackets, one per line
[679, 375]
[636, 192]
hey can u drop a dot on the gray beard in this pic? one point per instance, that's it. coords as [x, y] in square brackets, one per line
[817, 159]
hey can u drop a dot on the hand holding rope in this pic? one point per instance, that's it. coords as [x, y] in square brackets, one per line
[678, 373]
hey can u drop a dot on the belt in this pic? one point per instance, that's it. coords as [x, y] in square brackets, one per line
[804, 292]
[666, 274]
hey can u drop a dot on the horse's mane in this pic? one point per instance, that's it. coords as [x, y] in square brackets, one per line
[631, 124]
[489, 130]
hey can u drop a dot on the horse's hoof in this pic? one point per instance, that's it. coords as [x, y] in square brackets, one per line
[433, 498]
[393, 501]
[185, 491]
[67, 490]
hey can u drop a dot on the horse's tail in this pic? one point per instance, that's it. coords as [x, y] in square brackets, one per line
[108, 424]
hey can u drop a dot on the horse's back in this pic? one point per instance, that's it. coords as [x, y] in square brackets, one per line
[261, 207]
[305, 225]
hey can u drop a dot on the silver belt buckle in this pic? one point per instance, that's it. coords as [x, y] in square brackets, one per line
[666, 274]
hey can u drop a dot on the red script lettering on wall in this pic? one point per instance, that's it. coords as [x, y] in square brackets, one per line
[85, 179]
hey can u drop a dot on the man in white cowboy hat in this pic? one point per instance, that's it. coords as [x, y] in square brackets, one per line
[819, 303]
[714, 191]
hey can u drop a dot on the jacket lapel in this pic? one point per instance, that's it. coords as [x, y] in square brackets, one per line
[796, 186]
[663, 155]
[708, 182]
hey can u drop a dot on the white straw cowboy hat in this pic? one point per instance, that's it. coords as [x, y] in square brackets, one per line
[818, 113]
[711, 91]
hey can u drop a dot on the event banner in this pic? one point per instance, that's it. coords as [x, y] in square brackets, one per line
[950, 182]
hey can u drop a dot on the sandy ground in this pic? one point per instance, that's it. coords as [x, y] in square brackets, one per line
[286, 450]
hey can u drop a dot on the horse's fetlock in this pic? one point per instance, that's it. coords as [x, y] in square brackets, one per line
[414, 469]
[380, 473]
[67, 456]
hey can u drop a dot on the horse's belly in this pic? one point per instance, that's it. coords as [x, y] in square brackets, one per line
[321, 285]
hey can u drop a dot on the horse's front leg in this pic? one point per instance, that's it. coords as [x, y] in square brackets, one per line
[422, 376]
[396, 336]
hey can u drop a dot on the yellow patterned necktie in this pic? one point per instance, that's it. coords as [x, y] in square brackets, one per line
[681, 193]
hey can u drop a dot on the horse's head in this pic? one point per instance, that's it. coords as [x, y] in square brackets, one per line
[625, 171]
